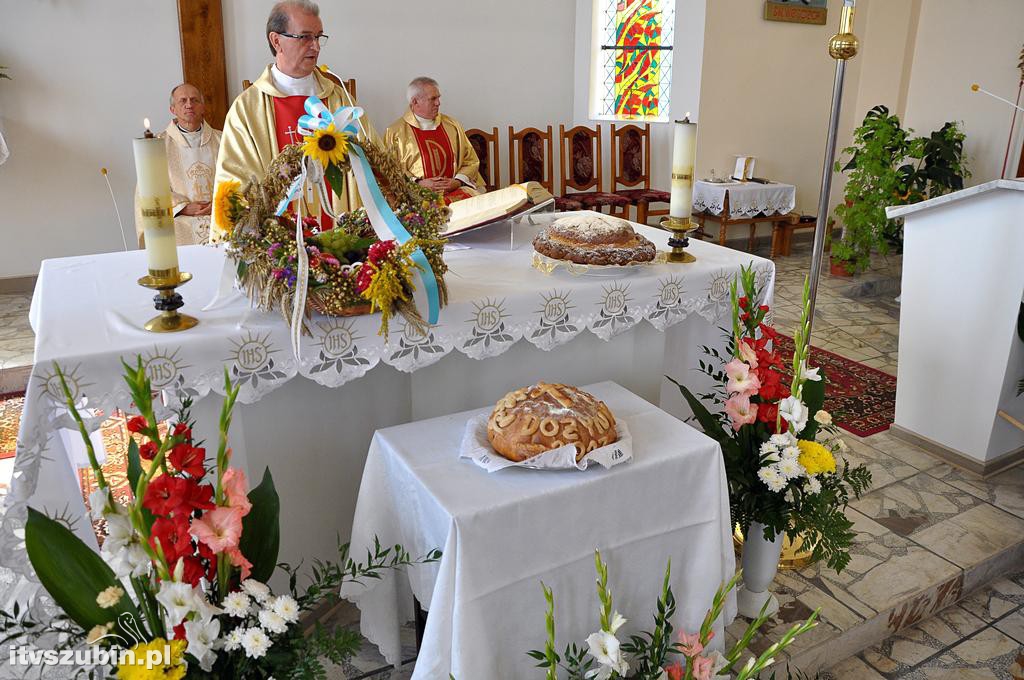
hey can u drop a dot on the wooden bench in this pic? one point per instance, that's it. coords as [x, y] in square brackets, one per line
[782, 233]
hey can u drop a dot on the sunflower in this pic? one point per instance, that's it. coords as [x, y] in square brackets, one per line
[326, 145]
[816, 458]
[225, 203]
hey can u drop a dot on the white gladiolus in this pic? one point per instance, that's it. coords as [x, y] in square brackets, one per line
[604, 647]
[202, 638]
[794, 412]
[178, 599]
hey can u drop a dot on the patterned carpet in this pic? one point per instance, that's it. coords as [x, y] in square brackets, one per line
[10, 417]
[861, 399]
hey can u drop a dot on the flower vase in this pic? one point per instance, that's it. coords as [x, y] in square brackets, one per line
[760, 564]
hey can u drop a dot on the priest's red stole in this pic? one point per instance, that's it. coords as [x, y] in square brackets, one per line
[286, 122]
[438, 158]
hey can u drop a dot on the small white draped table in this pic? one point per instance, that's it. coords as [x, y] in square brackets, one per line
[310, 419]
[503, 533]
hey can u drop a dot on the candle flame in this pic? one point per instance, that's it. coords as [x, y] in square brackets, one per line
[975, 87]
[145, 123]
[686, 116]
[103, 171]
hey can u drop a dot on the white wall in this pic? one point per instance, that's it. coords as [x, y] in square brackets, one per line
[108, 64]
[959, 43]
[84, 76]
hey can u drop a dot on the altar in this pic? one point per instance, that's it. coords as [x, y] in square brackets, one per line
[310, 419]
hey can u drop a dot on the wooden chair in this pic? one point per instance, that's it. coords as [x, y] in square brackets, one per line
[580, 151]
[486, 146]
[631, 167]
[349, 84]
[530, 157]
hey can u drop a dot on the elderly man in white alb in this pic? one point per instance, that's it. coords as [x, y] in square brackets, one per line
[192, 147]
[263, 119]
[433, 147]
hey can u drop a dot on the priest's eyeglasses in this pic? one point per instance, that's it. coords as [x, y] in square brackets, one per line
[307, 37]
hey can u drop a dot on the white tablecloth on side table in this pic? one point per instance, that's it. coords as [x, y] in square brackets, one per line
[746, 199]
[503, 533]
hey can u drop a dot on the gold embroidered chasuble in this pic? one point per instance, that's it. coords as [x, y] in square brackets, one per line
[401, 141]
[250, 144]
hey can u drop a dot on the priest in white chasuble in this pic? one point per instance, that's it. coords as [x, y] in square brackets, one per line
[433, 147]
[263, 119]
[192, 147]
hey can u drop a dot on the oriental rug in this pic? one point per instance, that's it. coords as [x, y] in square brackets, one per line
[861, 399]
[10, 418]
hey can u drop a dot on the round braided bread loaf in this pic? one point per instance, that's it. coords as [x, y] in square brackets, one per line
[593, 239]
[545, 416]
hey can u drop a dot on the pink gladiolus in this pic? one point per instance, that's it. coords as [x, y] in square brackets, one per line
[689, 644]
[740, 410]
[238, 560]
[748, 354]
[220, 528]
[741, 380]
[703, 666]
[236, 488]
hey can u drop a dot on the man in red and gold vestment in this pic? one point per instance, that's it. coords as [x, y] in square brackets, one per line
[433, 147]
[263, 119]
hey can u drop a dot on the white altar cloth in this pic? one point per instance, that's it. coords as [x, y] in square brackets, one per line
[88, 312]
[502, 534]
[746, 199]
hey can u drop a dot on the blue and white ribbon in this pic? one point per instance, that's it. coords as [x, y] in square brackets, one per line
[385, 223]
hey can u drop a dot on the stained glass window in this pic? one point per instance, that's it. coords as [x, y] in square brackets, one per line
[634, 59]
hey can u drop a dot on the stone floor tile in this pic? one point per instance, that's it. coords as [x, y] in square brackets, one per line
[987, 654]
[885, 468]
[1012, 625]
[904, 451]
[995, 600]
[1005, 490]
[968, 538]
[853, 668]
[914, 504]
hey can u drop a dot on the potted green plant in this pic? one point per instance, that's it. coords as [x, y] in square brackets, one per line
[889, 166]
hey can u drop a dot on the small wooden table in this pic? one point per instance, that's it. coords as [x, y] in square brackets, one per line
[771, 203]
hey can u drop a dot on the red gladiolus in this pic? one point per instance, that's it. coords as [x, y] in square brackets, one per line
[173, 537]
[768, 331]
[198, 497]
[148, 450]
[179, 631]
[194, 571]
[166, 494]
[743, 302]
[188, 458]
[137, 424]
[183, 430]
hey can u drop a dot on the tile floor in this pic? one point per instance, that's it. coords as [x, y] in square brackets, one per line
[927, 534]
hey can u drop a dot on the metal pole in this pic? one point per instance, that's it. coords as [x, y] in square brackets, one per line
[842, 46]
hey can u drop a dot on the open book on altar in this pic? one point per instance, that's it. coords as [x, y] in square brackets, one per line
[479, 210]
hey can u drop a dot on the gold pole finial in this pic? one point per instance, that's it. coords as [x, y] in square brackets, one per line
[844, 44]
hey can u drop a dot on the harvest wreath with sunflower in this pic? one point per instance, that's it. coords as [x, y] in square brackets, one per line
[351, 271]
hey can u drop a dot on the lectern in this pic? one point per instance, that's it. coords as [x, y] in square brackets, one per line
[960, 357]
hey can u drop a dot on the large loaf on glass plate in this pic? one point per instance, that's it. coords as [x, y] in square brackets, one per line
[593, 239]
[531, 420]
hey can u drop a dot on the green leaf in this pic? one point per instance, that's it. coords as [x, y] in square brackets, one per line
[334, 178]
[72, 573]
[711, 425]
[261, 529]
[814, 399]
[135, 472]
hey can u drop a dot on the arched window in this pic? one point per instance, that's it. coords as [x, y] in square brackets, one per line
[633, 55]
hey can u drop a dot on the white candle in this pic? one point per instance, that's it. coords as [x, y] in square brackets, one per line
[684, 145]
[154, 196]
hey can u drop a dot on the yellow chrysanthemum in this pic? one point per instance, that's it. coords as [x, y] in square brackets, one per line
[326, 145]
[815, 458]
[141, 667]
[224, 203]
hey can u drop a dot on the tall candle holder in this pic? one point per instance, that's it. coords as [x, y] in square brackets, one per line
[167, 301]
[154, 200]
[678, 222]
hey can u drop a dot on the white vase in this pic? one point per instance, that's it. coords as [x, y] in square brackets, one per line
[760, 563]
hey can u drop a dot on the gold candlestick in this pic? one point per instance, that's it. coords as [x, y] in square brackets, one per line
[167, 301]
[680, 228]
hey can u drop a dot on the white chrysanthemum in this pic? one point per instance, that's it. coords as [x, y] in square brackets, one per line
[790, 468]
[770, 452]
[237, 604]
[259, 591]
[790, 453]
[233, 640]
[272, 623]
[109, 597]
[287, 608]
[772, 478]
[255, 643]
[782, 440]
[813, 485]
